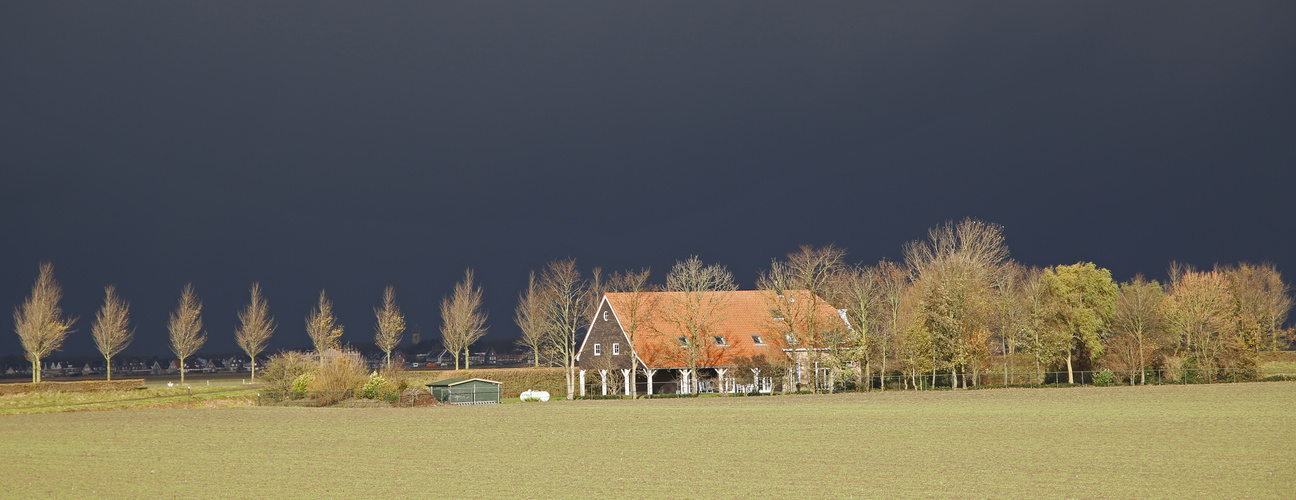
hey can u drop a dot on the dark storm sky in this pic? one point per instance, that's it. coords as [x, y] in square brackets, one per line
[357, 144]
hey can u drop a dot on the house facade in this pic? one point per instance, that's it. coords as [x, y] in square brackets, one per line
[689, 342]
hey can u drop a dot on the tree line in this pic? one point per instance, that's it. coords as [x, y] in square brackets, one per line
[956, 306]
[42, 326]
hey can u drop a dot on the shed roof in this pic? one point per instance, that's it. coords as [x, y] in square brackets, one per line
[457, 381]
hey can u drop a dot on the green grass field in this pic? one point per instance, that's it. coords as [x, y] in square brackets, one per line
[1225, 440]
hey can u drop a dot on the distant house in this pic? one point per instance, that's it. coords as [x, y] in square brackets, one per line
[744, 329]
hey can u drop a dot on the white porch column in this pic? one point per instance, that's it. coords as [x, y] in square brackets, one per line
[720, 373]
[650, 374]
[685, 388]
[603, 380]
[582, 383]
[625, 375]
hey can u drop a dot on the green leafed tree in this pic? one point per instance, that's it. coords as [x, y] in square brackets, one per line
[1080, 299]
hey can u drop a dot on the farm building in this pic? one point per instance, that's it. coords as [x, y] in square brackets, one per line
[466, 391]
[708, 341]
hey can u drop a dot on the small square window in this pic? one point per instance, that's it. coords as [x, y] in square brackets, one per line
[616, 349]
[720, 340]
[598, 350]
[756, 339]
[777, 314]
[683, 341]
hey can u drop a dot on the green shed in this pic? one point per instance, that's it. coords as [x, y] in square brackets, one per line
[466, 391]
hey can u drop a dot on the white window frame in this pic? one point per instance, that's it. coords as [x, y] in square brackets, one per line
[598, 350]
[616, 348]
[720, 340]
[756, 339]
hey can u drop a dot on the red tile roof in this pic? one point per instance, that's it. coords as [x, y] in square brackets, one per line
[742, 314]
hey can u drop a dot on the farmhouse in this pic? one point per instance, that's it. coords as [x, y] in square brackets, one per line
[687, 342]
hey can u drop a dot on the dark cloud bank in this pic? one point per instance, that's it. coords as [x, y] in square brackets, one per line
[349, 146]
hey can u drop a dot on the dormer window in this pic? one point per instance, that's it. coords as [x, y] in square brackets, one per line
[598, 350]
[683, 341]
[756, 339]
[720, 340]
[777, 314]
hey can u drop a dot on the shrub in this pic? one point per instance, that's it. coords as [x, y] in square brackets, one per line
[339, 375]
[376, 385]
[1104, 378]
[300, 383]
[284, 368]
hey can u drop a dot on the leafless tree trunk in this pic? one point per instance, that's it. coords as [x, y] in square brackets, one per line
[462, 320]
[857, 291]
[111, 330]
[529, 316]
[811, 269]
[638, 310]
[391, 323]
[322, 326]
[699, 306]
[893, 284]
[256, 326]
[1140, 318]
[565, 313]
[39, 321]
[185, 326]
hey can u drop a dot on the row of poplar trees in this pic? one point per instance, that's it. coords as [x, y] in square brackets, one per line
[42, 326]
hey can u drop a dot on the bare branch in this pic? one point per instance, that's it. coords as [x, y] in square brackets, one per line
[391, 323]
[322, 325]
[256, 326]
[111, 330]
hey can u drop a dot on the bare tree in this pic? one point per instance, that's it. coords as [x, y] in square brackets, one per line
[811, 269]
[391, 323]
[322, 326]
[857, 291]
[256, 326]
[565, 313]
[39, 321]
[187, 335]
[111, 330]
[699, 305]
[530, 318]
[637, 312]
[1012, 306]
[1139, 323]
[892, 285]
[462, 320]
